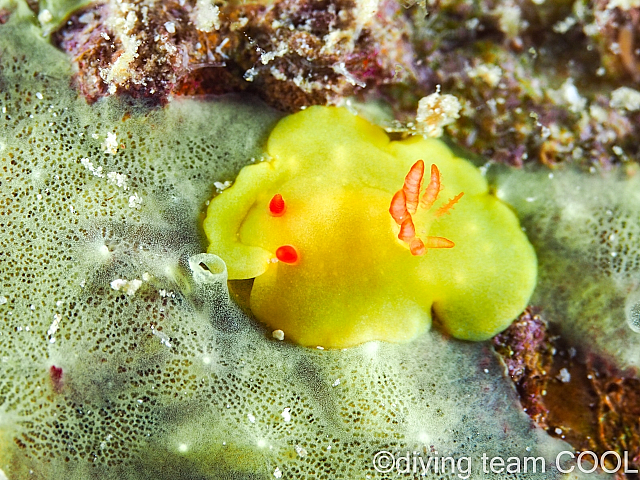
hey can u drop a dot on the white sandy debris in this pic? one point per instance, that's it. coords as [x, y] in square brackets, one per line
[3, 300]
[89, 166]
[577, 103]
[365, 10]
[277, 74]
[135, 201]
[490, 74]
[333, 41]
[278, 334]
[206, 16]
[627, 98]
[300, 451]
[222, 186]
[277, 473]
[341, 69]
[623, 4]
[250, 74]
[45, 16]
[569, 95]
[239, 24]
[110, 144]
[164, 339]
[286, 414]
[117, 179]
[564, 376]
[435, 112]
[266, 57]
[122, 25]
[53, 328]
[87, 18]
[509, 19]
[130, 287]
[170, 27]
[120, 72]
[563, 26]
[598, 113]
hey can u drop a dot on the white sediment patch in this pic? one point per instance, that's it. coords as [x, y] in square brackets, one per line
[435, 112]
[206, 16]
[627, 98]
[130, 287]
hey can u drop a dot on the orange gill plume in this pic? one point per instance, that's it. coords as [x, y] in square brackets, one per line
[412, 185]
[407, 230]
[398, 208]
[433, 189]
[449, 205]
[405, 203]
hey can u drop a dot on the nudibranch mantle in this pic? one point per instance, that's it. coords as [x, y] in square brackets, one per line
[347, 278]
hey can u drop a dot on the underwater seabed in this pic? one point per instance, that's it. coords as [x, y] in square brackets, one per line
[122, 357]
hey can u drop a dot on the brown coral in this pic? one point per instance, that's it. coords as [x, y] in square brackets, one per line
[526, 352]
[290, 53]
[604, 412]
[531, 77]
[615, 29]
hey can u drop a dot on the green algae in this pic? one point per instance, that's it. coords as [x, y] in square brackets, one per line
[51, 13]
[585, 228]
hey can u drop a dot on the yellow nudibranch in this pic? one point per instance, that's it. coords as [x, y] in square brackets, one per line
[347, 245]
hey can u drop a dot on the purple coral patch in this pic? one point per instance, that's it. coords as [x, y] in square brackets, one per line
[55, 373]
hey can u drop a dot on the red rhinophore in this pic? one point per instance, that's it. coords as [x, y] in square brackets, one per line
[277, 206]
[287, 254]
[55, 373]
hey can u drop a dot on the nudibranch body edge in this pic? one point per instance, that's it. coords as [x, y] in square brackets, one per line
[313, 226]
